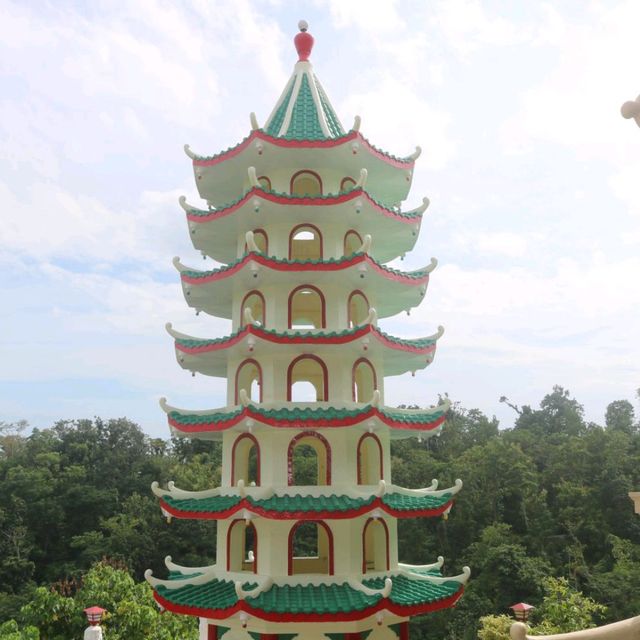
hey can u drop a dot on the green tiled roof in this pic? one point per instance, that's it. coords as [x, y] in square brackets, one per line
[417, 343]
[278, 117]
[309, 599]
[203, 213]
[305, 124]
[417, 416]
[308, 504]
[305, 115]
[332, 120]
[412, 275]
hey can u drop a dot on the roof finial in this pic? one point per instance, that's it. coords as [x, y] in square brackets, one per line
[303, 42]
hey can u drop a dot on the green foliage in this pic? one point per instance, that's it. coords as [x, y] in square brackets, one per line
[495, 627]
[131, 611]
[564, 609]
[546, 498]
[10, 631]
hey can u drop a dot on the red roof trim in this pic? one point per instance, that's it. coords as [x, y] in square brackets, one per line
[272, 263]
[329, 200]
[348, 616]
[303, 144]
[303, 515]
[293, 424]
[305, 339]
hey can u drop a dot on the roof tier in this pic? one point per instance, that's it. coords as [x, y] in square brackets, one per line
[220, 178]
[306, 503]
[211, 593]
[398, 355]
[403, 423]
[389, 290]
[216, 232]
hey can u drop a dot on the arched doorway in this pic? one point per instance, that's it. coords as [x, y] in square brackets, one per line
[249, 378]
[370, 460]
[310, 548]
[363, 380]
[306, 183]
[375, 546]
[309, 460]
[306, 308]
[245, 460]
[305, 243]
[357, 308]
[307, 369]
[242, 547]
[254, 301]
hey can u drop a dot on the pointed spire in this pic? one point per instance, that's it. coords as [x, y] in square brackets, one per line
[303, 111]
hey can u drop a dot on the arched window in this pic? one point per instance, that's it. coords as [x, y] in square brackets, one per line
[375, 546]
[265, 183]
[364, 381]
[242, 547]
[370, 461]
[310, 548]
[308, 368]
[346, 184]
[352, 242]
[261, 239]
[309, 460]
[249, 378]
[306, 183]
[306, 308]
[254, 301]
[357, 308]
[245, 460]
[305, 243]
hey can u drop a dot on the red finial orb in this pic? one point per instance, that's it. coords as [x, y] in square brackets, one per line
[303, 42]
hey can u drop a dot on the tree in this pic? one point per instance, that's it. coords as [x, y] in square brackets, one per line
[131, 610]
[620, 415]
[564, 609]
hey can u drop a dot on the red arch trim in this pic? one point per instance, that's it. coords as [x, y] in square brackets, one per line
[325, 375]
[255, 544]
[309, 172]
[244, 436]
[344, 241]
[305, 225]
[267, 179]
[353, 375]
[345, 180]
[377, 441]
[254, 292]
[322, 302]
[292, 446]
[364, 533]
[263, 233]
[242, 364]
[354, 293]
[290, 547]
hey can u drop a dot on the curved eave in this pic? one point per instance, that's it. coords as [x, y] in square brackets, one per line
[339, 602]
[398, 356]
[389, 291]
[404, 423]
[219, 177]
[176, 510]
[394, 501]
[216, 232]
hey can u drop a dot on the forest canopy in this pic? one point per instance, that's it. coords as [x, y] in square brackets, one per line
[545, 499]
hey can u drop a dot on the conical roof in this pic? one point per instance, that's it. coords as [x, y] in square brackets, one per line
[303, 111]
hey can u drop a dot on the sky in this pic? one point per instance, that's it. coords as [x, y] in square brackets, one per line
[532, 174]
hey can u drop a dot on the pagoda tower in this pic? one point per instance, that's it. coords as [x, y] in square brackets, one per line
[303, 215]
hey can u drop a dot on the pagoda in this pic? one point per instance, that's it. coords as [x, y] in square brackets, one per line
[302, 216]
